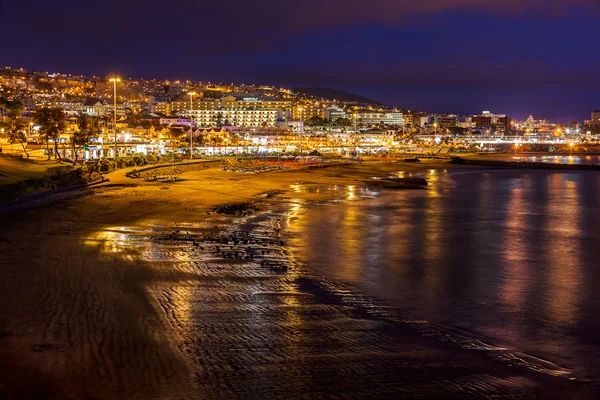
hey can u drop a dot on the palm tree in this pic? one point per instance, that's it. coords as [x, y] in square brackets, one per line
[133, 116]
[219, 119]
[53, 122]
[3, 102]
[16, 130]
[88, 128]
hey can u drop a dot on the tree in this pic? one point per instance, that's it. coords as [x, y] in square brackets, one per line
[219, 120]
[133, 116]
[457, 130]
[16, 130]
[3, 102]
[43, 85]
[88, 128]
[53, 122]
[341, 121]
[315, 121]
[14, 109]
[176, 132]
[234, 139]
[211, 94]
[201, 140]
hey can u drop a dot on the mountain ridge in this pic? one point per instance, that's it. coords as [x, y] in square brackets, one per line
[335, 94]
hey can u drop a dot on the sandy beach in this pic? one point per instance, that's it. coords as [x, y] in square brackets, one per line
[138, 290]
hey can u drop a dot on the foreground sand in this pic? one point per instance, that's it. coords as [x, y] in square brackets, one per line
[93, 305]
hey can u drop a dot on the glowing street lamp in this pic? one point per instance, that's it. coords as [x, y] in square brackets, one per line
[558, 132]
[353, 137]
[114, 81]
[192, 94]
[299, 129]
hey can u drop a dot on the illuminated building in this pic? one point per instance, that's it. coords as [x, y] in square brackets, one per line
[235, 116]
[445, 121]
[377, 118]
[335, 112]
[377, 137]
[93, 107]
[167, 107]
[175, 121]
[487, 120]
[304, 112]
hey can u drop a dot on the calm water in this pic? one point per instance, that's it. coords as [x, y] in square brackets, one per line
[589, 160]
[508, 257]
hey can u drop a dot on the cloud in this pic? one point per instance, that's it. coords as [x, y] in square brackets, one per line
[198, 36]
[242, 19]
[326, 13]
[278, 17]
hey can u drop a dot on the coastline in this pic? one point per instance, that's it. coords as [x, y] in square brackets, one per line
[498, 162]
[144, 317]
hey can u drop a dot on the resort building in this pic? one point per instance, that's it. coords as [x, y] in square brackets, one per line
[377, 118]
[234, 117]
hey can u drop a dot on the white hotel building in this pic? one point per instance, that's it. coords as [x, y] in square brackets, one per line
[375, 118]
[235, 116]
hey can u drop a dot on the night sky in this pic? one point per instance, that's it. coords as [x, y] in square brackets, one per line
[506, 56]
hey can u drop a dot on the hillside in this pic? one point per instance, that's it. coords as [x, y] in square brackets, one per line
[334, 94]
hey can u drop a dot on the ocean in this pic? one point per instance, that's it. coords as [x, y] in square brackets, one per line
[507, 260]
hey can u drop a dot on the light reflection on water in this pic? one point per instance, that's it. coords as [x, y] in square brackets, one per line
[508, 255]
[571, 159]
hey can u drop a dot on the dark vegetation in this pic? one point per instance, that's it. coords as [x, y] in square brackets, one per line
[57, 178]
[333, 94]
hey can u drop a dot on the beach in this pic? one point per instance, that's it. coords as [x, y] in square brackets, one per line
[135, 289]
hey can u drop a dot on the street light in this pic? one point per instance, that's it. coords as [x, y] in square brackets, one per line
[355, 115]
[299, 128]
[192, 94]
[114, 81]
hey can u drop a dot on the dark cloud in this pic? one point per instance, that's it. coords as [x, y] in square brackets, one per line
[234, 25]
[414, 44]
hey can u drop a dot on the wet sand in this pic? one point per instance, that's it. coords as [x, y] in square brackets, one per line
[143, 290]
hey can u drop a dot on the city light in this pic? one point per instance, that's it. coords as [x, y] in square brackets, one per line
[267, 114]
[401, 201]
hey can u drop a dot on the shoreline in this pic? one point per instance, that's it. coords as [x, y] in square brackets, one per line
[114, 285]
[481, 160]
[500, 161]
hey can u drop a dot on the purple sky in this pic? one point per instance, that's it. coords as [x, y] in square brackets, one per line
[510, 56]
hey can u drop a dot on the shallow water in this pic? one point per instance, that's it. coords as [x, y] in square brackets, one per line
[506, 258]
[556, 159]
[437, 293]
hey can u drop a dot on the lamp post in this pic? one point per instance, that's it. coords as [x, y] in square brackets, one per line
[173, 144]
[300, 130]
[355, 115]
[114, 81]
[192, 94]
